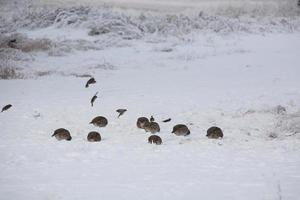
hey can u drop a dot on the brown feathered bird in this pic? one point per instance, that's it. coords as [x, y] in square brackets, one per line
[99, 121]
[94, 137]
[90, 81]
[181, 130]
[154, 139]
[214, 133]
[141, 122]
[6, 107]
[121, 112]
[152, 127]
[62, 134]
[94, 99]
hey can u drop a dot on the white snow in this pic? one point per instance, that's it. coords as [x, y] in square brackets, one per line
[202, 71]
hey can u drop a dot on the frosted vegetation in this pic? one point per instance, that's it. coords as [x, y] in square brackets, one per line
[108, 26]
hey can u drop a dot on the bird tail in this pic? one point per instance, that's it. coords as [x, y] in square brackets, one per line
[188, 133]
[86, 85]
[166, 120]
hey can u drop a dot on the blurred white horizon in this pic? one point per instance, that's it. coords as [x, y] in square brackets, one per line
[212, 6]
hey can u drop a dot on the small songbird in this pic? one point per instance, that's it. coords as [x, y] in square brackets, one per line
[99, 121]
[93, 99]
[90, 81]
[121, 112]
[62, 134]
[167, 120]
[214, 133]
[152, 119]
[154, 139]
[181, 130]
[6, 107]
[94, 137]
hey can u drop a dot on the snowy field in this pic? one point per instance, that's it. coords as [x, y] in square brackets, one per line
[211, 63]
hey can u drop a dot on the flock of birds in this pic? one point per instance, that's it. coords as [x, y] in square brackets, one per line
[149, 125]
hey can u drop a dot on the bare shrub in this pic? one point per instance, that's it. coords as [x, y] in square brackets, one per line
[29, 45]
[10, 73]
[44, 73]
[36, 45]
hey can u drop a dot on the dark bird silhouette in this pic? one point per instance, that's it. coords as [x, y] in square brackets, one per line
[62, 134]
[93, 99]
[214, 133]
[154, 139]
[90, 81]
[121, 112]
[181, 130]
[152, 119]
[141, 122]
[6, 107]
[152, 127]
[94, 137]
[99, 121]
[167, 120]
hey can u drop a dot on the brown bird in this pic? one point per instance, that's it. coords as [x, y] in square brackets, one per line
[121, 112]
[152, 127]
[6, 107]
[90, 81]
[62, 134]
[154, 139]
[214, 133]
[141, 122]
[99, 121]
[94, 137]
[181, 130]
[93, 99]
[152, 119]
[167, 120]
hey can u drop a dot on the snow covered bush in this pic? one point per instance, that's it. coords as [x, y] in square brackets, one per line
[10, 73]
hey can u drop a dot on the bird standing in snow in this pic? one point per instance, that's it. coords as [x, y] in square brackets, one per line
[214, 133]
[90, 81]
[93, 99]
[94, 137]
[6, 107]
[141, 122]
[62, 134]
[181, 130]
[99, 121]
[152, 127]
[154, 139]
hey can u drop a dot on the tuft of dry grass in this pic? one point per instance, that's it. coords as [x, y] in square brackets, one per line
[10, 73]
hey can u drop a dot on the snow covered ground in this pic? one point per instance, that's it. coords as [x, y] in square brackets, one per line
[203, 68]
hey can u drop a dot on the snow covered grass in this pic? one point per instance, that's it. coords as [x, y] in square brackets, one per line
[238, 72]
